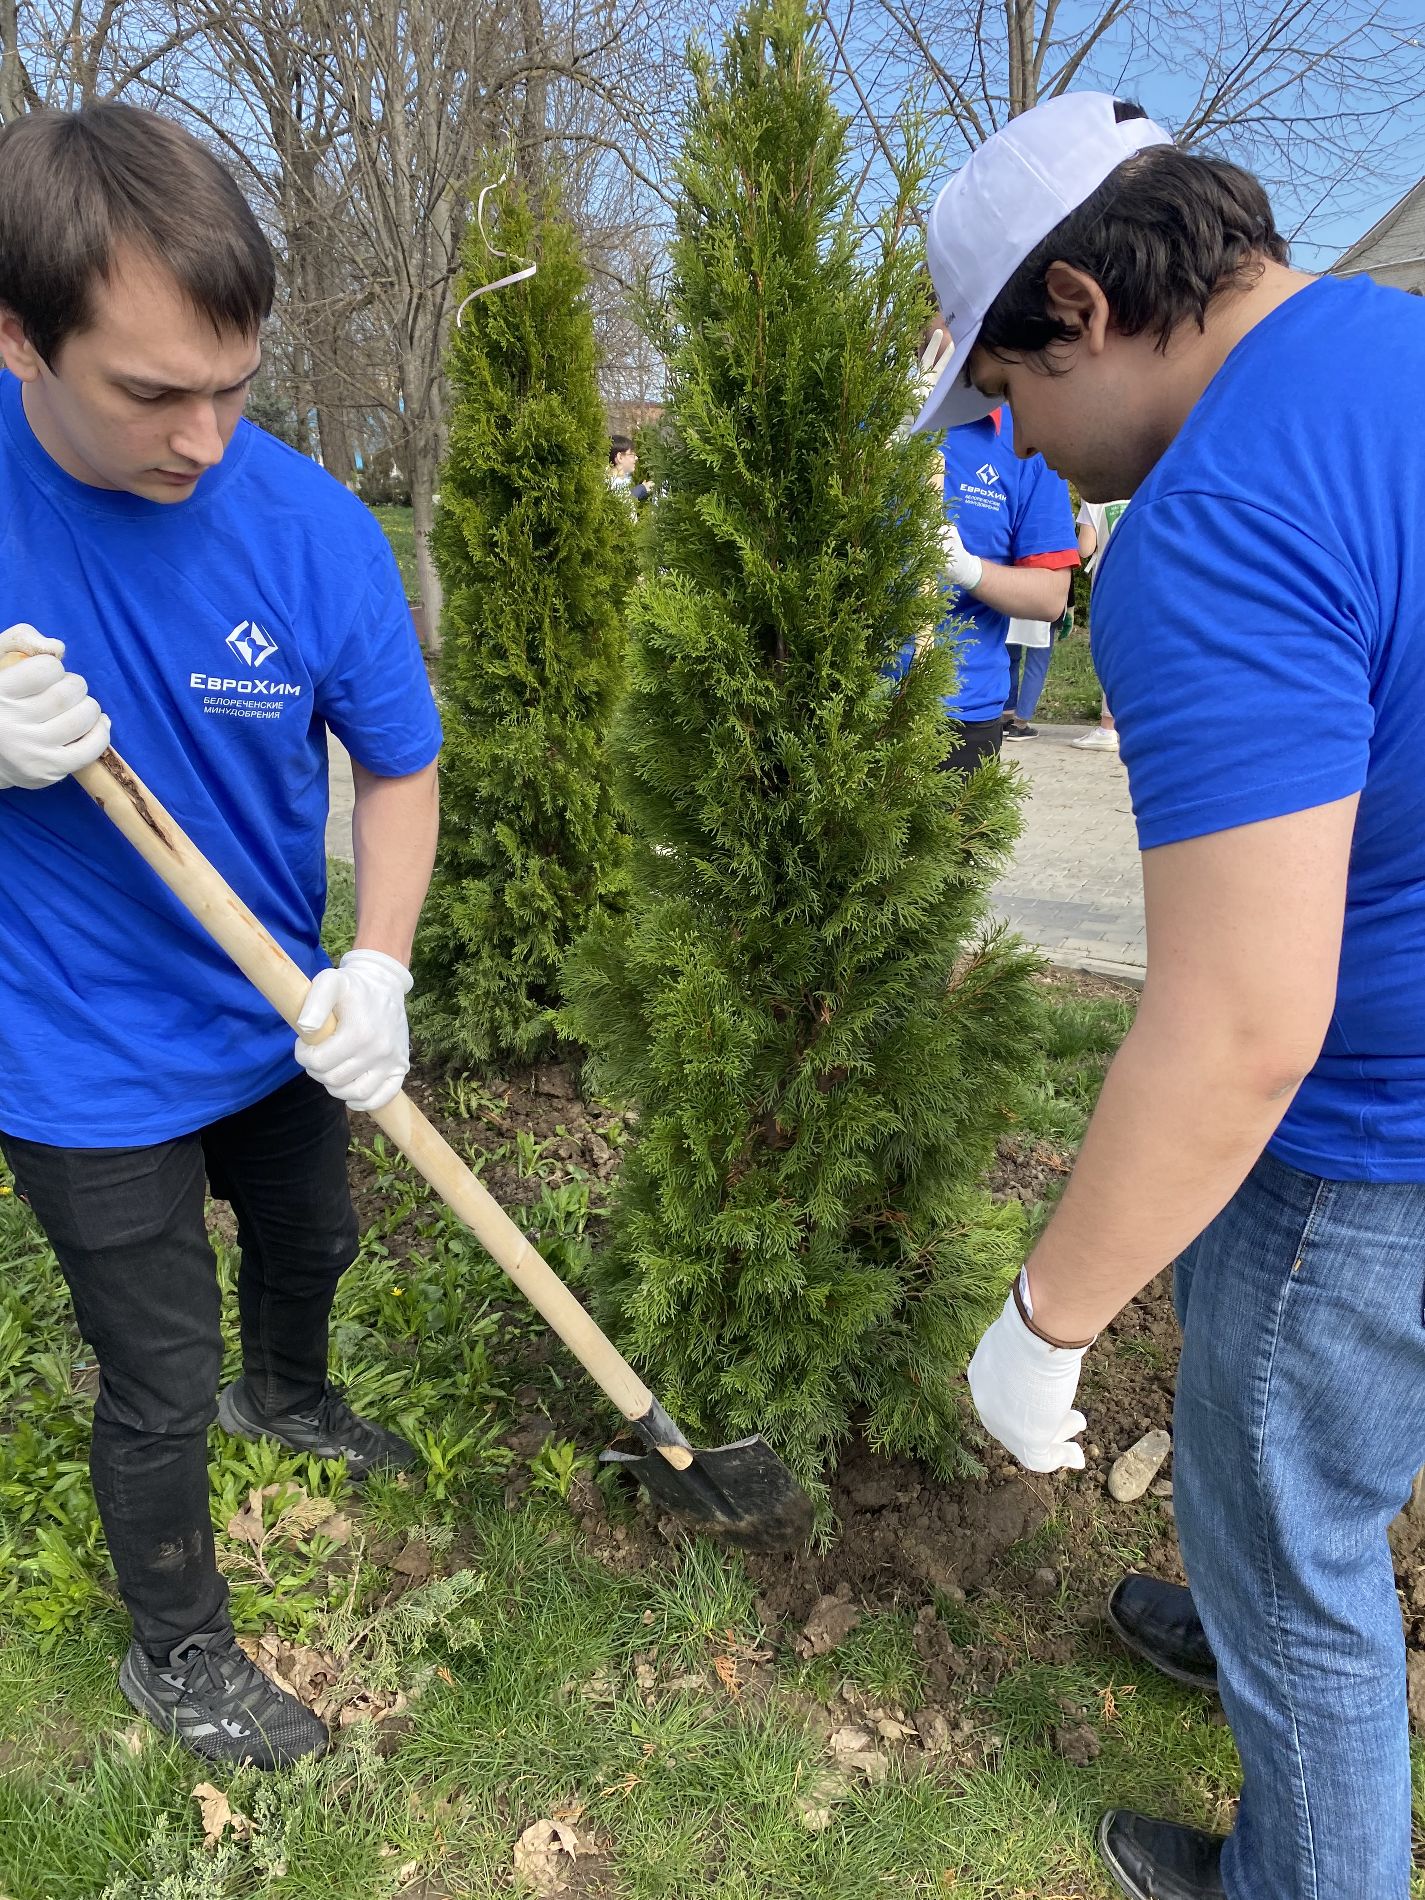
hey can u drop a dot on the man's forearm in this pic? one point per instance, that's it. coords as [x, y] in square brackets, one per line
[394, 826]
[1026, 593]
[1179, 1125]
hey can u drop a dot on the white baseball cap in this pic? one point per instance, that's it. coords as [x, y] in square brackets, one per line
[1010, 195]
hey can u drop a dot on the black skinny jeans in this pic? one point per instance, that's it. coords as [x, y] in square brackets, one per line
[126, 1225]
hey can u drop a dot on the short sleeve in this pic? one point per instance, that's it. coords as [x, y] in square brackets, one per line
[375, 696]
[1236, 662]
[1043, 516]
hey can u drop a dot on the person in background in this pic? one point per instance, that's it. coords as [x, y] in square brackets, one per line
[1097, 521]
[1031, 647]
[1008, 545]
[623, 466]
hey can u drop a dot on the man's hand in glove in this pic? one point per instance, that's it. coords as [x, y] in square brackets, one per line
[364, 1060]
[962, 569]
[49, 725]
[1024, 1389]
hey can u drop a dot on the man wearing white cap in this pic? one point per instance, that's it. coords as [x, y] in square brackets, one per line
[1263, 1125]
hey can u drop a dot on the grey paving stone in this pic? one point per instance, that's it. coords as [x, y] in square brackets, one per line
[1075, 887]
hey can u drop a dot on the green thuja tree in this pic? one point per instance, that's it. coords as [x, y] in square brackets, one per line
[535, 554]
[818, 1032]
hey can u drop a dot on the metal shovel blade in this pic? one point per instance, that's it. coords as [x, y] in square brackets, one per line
[741, 1493]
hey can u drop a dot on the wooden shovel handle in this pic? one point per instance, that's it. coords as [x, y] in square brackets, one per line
[160, 840]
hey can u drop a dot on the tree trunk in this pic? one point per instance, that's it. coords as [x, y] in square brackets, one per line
[12, 85]
[425, 470]
[535, 105]
[315, 322]
[333, 434]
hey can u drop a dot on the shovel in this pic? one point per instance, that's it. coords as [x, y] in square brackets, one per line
[742, 1492]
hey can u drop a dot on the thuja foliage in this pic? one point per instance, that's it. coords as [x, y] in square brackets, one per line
[802, 1002]
[535, 554]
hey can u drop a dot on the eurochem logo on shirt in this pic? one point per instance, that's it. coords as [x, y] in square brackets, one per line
[986, 490]
[245, 695]
[252, 643]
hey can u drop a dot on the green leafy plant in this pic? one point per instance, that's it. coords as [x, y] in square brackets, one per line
[536, 556]
[803, 1001]
[555, 1466]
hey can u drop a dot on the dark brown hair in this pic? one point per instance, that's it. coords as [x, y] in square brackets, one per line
[1165, 233]
[74, 185]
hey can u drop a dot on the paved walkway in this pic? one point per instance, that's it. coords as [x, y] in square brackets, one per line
[339, 816]
[1074, 888]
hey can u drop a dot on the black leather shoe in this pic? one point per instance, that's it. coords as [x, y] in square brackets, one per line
[1157, 1860]
[1157, 1621]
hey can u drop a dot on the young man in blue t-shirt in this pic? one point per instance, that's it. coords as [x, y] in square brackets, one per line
[171, 568]
[1009, 550]
[1263, 1124]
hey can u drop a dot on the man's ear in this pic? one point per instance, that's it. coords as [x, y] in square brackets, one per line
[17, 352]
[1077, 299]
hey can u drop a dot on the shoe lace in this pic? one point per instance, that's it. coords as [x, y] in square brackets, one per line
[334, 1415]
[217, 1669]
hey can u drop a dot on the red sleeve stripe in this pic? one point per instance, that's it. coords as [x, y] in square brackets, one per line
[1061, 557]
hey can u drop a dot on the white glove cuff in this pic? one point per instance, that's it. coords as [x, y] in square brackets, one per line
[28, 640]
[378, 960]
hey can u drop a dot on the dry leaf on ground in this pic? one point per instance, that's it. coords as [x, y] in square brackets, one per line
[219, 1815]
[320, 1681]
[545, 1853]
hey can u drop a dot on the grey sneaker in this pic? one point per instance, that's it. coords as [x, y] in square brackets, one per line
[328, 1429]
[221, 1706]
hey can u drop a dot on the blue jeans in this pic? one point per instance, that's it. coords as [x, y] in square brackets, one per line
[1299, 1426]
[1028, 670]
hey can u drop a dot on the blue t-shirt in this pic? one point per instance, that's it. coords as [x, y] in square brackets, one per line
[223, 635]
[1017, 513]
[1259, 628]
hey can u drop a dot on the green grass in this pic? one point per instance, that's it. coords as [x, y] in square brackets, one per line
[1072, 693]
[551, 1705]
[1079, 1031]
[642, 1708]
[339, 923]
[399, 525]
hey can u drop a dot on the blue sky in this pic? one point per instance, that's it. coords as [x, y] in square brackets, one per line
[1351, 210]
[1355, 127]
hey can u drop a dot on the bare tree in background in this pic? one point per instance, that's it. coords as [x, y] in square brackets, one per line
[368, 125]
[1311, 94]
[356, 132]
[67, 52]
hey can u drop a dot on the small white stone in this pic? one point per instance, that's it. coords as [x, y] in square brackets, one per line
[1140, 1464]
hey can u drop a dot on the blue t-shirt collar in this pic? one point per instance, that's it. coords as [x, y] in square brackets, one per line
[111, 502]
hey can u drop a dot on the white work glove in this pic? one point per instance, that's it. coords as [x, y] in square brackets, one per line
[1024, 1389]
[49, 726]
[962, 569]
[364, 1060]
